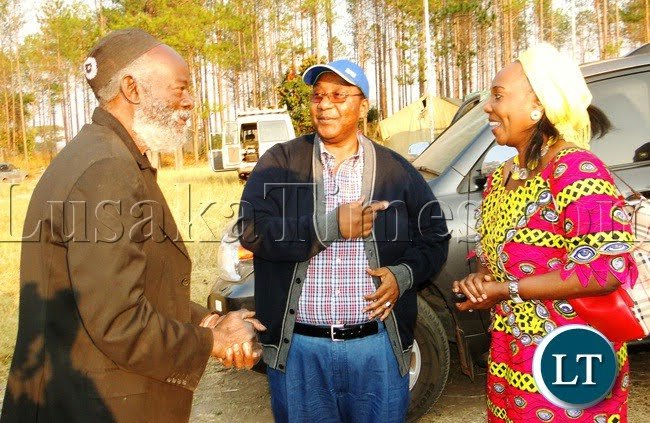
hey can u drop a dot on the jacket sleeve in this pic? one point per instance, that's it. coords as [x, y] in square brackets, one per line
[427, 251]
[268, 228]
[108, 270]
[197, 313]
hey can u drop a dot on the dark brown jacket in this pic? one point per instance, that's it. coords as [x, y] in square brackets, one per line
[106, 329]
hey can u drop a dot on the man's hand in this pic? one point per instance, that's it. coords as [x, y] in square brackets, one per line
[383, 299]
[356, 219]
[211, 320]
[233, 331]
[244, 357]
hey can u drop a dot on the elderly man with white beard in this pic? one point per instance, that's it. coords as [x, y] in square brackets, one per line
[107, 331]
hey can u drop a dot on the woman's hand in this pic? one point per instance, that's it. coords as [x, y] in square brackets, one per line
[481, 291]
[472, 286]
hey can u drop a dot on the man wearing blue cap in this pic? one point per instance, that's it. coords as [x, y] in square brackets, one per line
[343, 231]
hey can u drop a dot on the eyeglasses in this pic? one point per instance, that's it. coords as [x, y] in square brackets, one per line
[335, 97]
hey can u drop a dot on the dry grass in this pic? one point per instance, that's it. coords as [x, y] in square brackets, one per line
[202, 202]
[13, 204]
[189, 192]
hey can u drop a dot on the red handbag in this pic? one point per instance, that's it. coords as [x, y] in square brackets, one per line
[611, 314]
[624, 315]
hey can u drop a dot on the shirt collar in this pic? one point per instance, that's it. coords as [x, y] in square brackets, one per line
[325, 155]
[105, 118]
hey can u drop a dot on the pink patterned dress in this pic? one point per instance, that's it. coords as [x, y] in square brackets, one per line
[568, 218]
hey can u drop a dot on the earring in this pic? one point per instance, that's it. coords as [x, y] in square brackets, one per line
[536, 115]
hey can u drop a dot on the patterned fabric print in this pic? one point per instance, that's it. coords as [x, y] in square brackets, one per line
[538, 228]
[336, 278]
[599, 234]
[528, 322]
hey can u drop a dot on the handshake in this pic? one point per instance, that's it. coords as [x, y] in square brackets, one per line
[235, 338]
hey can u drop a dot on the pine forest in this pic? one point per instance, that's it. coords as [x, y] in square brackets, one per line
[245, 54]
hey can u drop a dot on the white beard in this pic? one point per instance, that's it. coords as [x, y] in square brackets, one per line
[157, 126]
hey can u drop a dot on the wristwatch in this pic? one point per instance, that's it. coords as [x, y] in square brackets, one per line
[513, 290]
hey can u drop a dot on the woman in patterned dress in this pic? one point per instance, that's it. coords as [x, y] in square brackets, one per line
[551, 230]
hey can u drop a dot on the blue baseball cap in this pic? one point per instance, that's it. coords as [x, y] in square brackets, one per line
[344, 68]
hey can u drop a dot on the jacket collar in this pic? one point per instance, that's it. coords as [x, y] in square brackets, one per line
[166, 221]
[105, 118]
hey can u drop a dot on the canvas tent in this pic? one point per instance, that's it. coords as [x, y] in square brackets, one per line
[412, 124]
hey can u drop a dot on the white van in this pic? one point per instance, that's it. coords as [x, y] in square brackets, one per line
[248, 137]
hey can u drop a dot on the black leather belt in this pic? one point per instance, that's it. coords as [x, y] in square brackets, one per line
[338, 332]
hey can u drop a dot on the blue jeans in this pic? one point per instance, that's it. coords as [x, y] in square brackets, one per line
[348, 381]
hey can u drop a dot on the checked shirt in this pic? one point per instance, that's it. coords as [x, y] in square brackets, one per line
[336, 278]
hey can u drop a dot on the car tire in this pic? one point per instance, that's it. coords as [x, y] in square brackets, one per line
[430, 360]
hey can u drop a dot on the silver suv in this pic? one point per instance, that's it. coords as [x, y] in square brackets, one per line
[456, 166]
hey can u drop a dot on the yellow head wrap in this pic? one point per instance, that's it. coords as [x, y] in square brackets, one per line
[561, 88]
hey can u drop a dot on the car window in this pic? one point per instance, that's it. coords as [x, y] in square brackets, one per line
[626, 102]
[232, 134]
[273, 130]
[451, 142]
[491, 159]
[496, 155]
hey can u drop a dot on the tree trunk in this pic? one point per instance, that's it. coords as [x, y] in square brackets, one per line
[482, 57]
[456, 68]
[314, 31]
[606, 27]
[422, 77]
[509, 54]
[551, 26]
[257, 100]
[599, 26]
[12, 140]
[617, 28]
[360, 33]
[278, 56]
[68, 103]
[329, 22]
[541, 21]
[603, 32]
[53, 114]
[378, 67]
[196, 116]
[87, 103]
[381, 40]
[64, 97]
[220, 93]
[391, 77]
[23, 131]
[497, 32]
[302, 33]
[206, 112]
[101, 17]
[216, 99]
[6, 101]
[471, 74]
[647, 21]
[239, 87]
[76, 104]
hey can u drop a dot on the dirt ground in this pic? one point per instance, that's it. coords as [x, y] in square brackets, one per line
[243, 396]
[229, 395]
